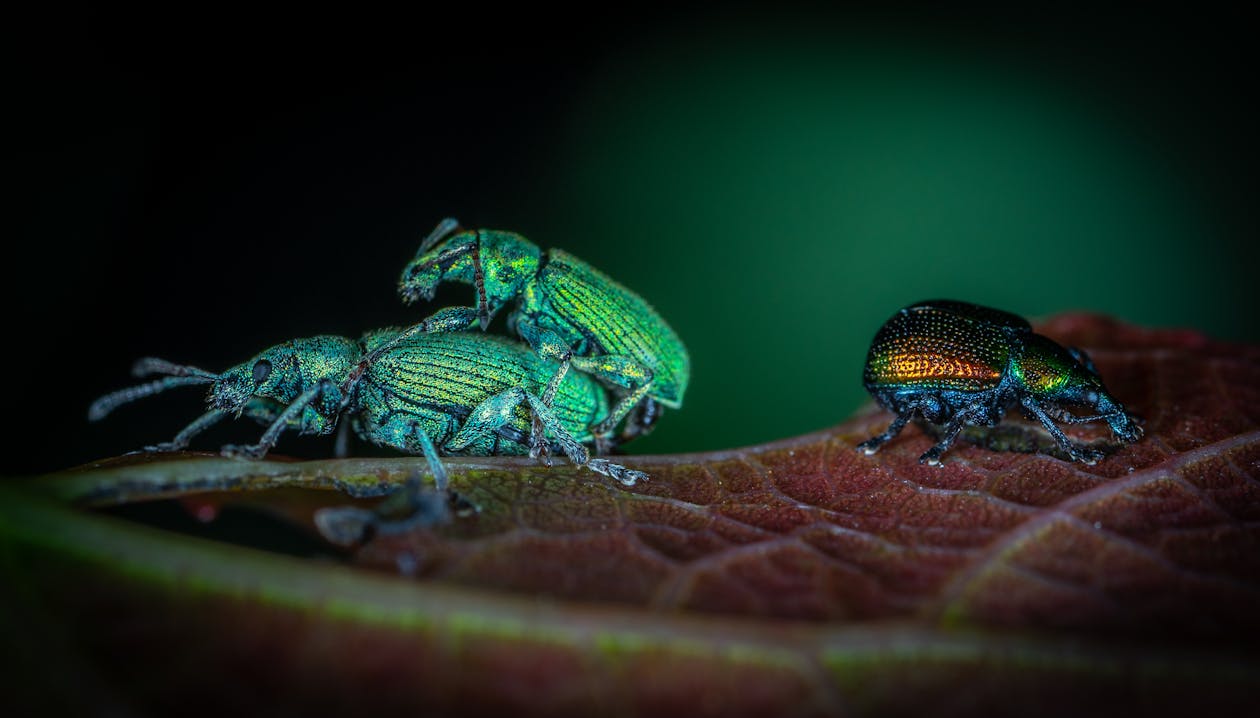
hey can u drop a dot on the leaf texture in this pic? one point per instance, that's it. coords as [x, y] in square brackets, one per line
[798, 577]
[1161, 533]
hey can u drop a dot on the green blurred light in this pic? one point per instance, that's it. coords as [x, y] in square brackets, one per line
[778, 201]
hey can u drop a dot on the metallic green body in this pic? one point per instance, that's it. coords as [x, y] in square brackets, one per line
[566, 309]
[597, 316]
[437, 380]
[295, 366]
[434, 394]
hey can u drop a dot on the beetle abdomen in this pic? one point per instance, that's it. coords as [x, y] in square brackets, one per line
[928, 346]
[614, 320]
[452, 373]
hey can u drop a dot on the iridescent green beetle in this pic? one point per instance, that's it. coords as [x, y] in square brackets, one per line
[432, 394]
[960, 364]
[566, 309]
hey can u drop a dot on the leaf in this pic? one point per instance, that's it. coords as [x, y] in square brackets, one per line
[795, 577]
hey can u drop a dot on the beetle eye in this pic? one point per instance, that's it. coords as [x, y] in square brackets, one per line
[262, 370]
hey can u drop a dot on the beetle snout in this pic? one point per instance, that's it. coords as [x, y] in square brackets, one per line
[229, 393]
[419, 281]
[1123, 424]
[1125, 428]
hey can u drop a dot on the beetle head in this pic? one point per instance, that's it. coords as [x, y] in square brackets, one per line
[503, 263]
[275, 373]
[1081, 385]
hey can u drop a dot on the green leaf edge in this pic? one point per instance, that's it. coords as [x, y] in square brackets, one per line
[35, 514]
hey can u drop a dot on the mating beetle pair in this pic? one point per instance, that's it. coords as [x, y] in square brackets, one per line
[567, 310]
[960, 364]
[435, 390]
[431, 393]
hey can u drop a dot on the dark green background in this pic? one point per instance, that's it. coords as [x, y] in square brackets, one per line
[776, 185]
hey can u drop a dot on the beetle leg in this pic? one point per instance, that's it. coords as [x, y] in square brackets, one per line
[200, 424]
[621, 371]
[444, 229]
[497, 411]
[628, 477]
[616, 370]
[1068, 417]
[1076, 451]
[578, 453]
[440, 480]
[932, 456]
[641, 421]
[871, 445]
[487, 417]
[479, 282]
[449, 319]
[341, 447]
[269, 437]
[537, 443]
[548, 345]
[104, 405]
[618, 412]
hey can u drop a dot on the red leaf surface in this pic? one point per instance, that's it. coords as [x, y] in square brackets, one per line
[795, 577]
[1162, 533]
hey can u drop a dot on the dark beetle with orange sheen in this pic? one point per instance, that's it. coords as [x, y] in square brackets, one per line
[960, 364]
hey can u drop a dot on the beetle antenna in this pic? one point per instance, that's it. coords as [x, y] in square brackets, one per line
[444, 229]
[152, 365]
[479, 281]
[104, 405]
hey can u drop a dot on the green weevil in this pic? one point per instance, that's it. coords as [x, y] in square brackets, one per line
[959, 364]
[567, 310]
[434, 394]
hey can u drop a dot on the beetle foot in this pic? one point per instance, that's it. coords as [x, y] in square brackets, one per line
[931, 457]
[244, 451]
[538, 444]
[542, 452]
[627, 477]
[1085, 455]
[870, 446]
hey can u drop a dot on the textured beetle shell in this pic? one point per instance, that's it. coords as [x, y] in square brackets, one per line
[437, 379]
[942, 345]
[609, 319]
[1043, 367]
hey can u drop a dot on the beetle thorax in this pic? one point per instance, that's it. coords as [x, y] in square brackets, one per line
[509, 264]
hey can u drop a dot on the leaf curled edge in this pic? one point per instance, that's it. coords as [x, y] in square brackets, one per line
[799, 577]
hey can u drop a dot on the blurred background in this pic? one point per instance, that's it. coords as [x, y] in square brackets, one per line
[776, 183]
